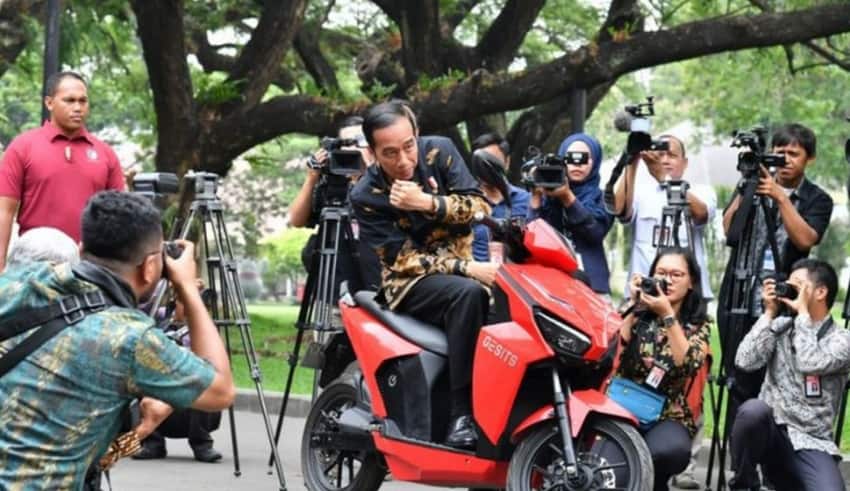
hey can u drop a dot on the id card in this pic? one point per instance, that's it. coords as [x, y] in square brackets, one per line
[813, 387]
[656, 375]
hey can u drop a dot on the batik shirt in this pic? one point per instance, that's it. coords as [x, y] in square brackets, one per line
[792, 353]
[412, 245]
[61, 406]
[649, 346]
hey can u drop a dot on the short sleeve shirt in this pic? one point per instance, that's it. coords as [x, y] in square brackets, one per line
[649, 201]
[60, 407]
[53, 177]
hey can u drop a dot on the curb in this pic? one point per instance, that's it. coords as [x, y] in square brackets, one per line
[247, 400]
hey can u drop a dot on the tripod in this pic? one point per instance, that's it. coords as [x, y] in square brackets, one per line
[320, 292]
[228, 302]
[674, 215]
[736, 296]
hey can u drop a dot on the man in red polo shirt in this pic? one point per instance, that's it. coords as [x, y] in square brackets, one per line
[49, 173]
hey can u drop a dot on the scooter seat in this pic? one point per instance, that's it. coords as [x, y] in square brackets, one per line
[430, 337]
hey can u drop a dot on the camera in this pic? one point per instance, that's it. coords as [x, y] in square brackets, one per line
[547, 171]
[650, 286]
[344, 163]
[751, 160]
[786, 290]
[635, 120]
[156, 186]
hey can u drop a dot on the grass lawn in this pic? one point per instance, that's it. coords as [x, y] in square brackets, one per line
[273, 329]
[273, 332]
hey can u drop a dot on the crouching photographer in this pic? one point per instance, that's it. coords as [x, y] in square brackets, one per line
[63, 390]
[665, 336]
[788, 428]
[191, 424]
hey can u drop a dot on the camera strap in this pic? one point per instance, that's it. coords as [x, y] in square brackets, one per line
[53, 319]
[616, 172]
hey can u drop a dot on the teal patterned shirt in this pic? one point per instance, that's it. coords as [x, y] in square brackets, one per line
[61, 407]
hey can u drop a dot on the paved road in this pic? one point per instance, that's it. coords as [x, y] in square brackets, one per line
[180, 472]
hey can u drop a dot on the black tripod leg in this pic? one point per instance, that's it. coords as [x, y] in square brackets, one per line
[232, 415]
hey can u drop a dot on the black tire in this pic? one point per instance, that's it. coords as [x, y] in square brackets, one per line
[537, 460]
[325, 469]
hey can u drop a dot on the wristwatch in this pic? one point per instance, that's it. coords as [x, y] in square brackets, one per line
[668, 321]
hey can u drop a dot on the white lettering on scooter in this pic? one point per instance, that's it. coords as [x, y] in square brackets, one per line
[502, 353]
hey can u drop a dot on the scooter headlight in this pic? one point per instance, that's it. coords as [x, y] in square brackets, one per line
[564, 339]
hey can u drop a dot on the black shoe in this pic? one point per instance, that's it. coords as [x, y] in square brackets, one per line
[462, 433]
[206, 454]
[150, 453]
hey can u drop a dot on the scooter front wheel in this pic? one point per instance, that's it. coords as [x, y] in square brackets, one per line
[333, 469]
[610, 455]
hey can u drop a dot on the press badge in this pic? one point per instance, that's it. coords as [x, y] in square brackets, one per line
[656, 375]
[813, 388]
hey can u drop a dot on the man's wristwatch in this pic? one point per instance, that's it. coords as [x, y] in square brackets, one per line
[669, 321]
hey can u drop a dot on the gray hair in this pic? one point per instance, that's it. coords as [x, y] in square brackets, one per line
[43, 244]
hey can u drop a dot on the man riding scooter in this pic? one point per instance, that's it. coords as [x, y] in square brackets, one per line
[415, 209]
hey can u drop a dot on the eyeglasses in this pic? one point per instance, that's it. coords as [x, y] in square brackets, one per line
[674, 275]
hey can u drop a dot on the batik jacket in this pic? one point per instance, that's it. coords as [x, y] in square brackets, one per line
[650, 346]
[412, 245]
[792, 350]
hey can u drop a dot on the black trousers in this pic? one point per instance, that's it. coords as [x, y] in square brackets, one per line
[757, 439]
[459, 305]
[670, 446]
[196, 424]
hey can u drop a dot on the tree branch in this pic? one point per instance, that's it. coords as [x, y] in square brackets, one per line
[213, 61]
[307, 46]
[454, 18]
[503, 38]
[419, 24]
[160, 28]
[485, 93]
[13, 31]
[260, 59]
[828, 56]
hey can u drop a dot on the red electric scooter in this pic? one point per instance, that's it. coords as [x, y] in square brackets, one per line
[539, 372]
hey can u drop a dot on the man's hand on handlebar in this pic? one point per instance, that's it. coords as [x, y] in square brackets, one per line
[485, 272]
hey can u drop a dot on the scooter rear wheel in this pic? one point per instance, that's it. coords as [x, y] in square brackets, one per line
[329, 469]
[611, 455]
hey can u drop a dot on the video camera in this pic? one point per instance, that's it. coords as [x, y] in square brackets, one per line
[650, 286]
[344, 163]
[635, 119]
[750, 161]
[549, 171]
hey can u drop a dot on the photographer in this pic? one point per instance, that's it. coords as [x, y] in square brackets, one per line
[801, 211]
[505, 200]
[576, 209]
[644, 210]
[666, 336]
[788, 429]
[495, 145]
[191, 424]
[415, 209]
[305, 211]
[62, 403]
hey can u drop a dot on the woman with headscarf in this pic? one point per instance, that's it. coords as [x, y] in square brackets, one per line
[576, 208]
[506, 201]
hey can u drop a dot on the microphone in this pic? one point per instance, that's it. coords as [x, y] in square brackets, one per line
[623, 121]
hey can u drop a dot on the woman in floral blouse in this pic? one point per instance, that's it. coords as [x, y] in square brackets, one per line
[665, 341]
